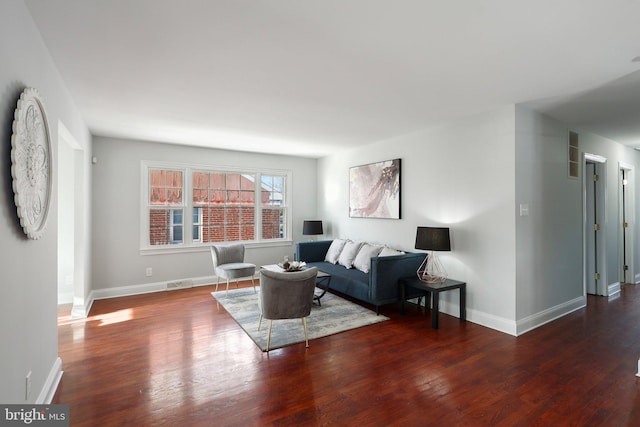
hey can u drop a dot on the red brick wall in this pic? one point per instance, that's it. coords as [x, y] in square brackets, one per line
[228, 207]
[270, 223]
[159, 227]
[228, 224]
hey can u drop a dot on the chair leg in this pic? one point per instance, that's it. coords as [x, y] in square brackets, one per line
[227, 294]
[217, 283]
[254, 285]
[304, 325]
[269, 334]
[260, 322]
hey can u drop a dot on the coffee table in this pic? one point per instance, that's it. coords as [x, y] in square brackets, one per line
[323, 282]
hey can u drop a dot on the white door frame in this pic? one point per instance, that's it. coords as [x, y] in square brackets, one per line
[75, 252]
[630, 219]
[601, 213]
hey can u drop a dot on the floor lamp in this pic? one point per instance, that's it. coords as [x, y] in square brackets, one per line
[432, 239]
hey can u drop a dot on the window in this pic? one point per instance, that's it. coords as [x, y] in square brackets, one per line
[197, 224]
[165, 206]
[225, 204]
[192, 205]
[272, 206]
[176, 226]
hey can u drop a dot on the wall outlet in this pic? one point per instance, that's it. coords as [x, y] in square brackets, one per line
[27, 393]
[149, 272]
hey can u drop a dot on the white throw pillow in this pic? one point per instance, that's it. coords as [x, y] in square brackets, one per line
[363, 259]
[389, 252]
[349, 253]
[334, 251]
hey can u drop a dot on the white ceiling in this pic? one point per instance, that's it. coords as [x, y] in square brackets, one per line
[312, 77]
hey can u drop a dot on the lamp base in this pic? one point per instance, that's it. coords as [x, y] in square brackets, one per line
[431, 271]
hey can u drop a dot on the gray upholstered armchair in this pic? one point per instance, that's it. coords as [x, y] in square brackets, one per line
[287, 295]
[228, 263]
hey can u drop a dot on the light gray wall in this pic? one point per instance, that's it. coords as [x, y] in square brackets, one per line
[28, 306]
[459, 175]
[549, 240]
[117, 262]
[614, 153]
[472, 175]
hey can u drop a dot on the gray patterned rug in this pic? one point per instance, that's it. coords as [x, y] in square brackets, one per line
[335, 315]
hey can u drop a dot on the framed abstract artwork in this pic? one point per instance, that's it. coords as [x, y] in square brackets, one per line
[374, 190]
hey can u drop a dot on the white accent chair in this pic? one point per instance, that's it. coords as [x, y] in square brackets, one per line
[228, 263]
[286, 295]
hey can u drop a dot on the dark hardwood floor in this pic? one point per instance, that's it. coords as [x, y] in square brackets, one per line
[178, 359]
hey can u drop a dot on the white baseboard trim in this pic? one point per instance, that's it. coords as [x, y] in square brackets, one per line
[51, 384]
[614, 289]
[519, 327]
[81, 310]
[481, 318]
[536, 320]
[146, 288]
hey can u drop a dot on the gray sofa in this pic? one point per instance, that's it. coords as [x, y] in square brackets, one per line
[378, 287]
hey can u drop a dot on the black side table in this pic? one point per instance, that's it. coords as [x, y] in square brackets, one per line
[434, 289]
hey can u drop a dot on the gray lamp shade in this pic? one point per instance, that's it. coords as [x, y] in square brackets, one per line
[433, 239]
[310, 228]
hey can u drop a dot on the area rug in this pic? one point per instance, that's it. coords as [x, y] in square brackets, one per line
[333, 316]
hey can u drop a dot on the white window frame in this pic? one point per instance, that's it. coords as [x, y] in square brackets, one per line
[189, 244]
[147, 207]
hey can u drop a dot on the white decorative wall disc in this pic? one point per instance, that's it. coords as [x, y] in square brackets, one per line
[31, 164]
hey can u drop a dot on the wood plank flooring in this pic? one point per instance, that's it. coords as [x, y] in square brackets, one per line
[178, 359]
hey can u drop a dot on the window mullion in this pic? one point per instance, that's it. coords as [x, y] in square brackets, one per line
[257, 234]
[187, 206]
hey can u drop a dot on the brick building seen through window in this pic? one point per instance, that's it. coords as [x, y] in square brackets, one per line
[223, 207]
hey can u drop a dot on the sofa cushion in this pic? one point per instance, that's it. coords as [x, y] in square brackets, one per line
[363, 259]
[389, 252]
[334, 251]
[348, 254]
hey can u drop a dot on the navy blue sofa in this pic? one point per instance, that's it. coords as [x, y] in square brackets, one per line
[378, 287]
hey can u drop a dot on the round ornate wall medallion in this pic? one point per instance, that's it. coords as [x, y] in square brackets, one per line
[31, 166]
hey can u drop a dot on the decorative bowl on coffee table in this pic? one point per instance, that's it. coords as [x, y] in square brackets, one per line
[293, 266]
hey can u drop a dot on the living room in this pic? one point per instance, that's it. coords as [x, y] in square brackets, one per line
[469, 173]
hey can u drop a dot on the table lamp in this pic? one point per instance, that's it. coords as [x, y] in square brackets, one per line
[432, 239]
[312, 228]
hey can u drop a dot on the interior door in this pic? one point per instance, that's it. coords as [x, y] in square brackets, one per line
[591, 225]
[625, 228]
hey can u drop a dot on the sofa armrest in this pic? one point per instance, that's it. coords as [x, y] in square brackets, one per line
[313, 251]
[385, 272]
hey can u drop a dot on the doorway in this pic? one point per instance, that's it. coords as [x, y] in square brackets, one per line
[626, 224]
[71, 222]
[594, 231]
